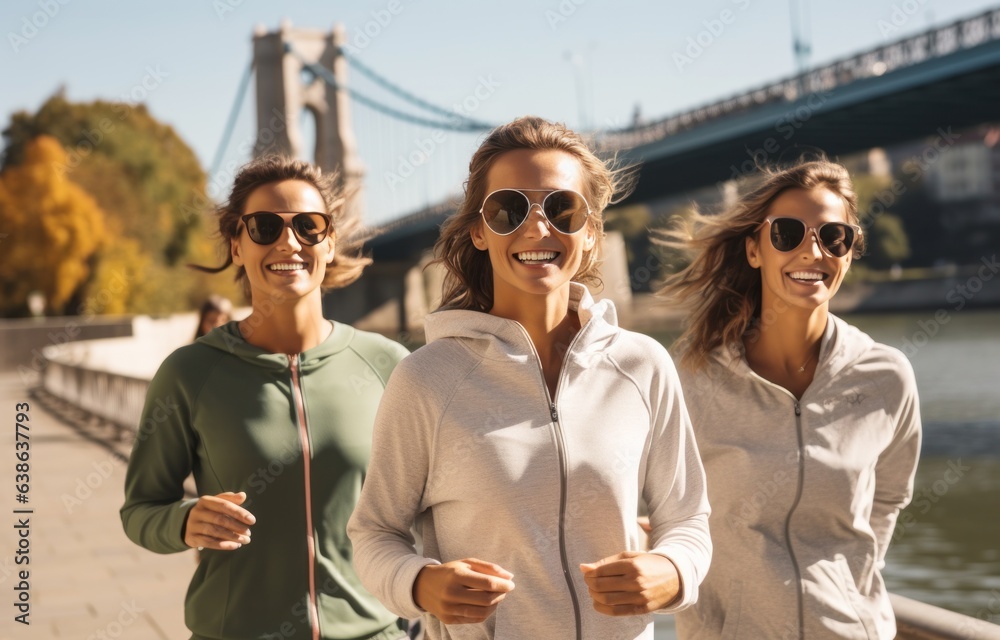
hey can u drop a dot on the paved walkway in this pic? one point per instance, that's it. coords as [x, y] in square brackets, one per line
[87, 580]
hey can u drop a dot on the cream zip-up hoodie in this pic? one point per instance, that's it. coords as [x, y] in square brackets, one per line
[469, 445]
[804, 493]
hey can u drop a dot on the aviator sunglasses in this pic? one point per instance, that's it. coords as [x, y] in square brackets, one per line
[505, 210]
[265, 227]
[835, 238]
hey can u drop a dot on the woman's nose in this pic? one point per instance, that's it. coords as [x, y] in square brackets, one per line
[288, 239]
[538, 224]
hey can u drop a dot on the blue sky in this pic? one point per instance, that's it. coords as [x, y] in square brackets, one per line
[193, 54]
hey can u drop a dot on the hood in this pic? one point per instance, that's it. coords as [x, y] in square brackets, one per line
[228, 338]
[498, 338]
[841, 345]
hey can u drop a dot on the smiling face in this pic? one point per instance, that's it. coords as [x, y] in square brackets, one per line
[535, 260]
[286, 269]
[805, 277]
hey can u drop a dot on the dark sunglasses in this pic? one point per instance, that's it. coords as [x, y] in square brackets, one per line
[505, 210]
[265, 227]
[835, 238]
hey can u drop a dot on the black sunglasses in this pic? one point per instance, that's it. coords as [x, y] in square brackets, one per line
[265, 227]
[835, 238]
[504, 210]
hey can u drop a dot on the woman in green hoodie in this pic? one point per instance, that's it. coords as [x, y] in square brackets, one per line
[273, 416]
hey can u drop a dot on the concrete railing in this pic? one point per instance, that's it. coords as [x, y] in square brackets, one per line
[113, 398]
[921, 621]
[108, 378]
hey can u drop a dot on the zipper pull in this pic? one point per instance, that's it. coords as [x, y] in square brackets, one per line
[552, 412]
[798, 411]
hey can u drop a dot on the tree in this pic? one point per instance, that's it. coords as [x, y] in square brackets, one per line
[633, 222]
[887, 242]
[53, 228]
[152, 189]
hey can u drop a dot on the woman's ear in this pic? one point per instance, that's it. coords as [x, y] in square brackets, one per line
[591, 240]
[331, 241]
[753, 252]
[476, 233]
[234, 250]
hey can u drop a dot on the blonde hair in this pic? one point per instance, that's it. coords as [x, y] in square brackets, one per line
[348, 262]
[468, 282]
[719, 288]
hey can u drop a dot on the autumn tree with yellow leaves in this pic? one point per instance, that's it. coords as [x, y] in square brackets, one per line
[147, 216]
[52, 230]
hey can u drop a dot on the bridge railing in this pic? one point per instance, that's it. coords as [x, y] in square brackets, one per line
[943, 41]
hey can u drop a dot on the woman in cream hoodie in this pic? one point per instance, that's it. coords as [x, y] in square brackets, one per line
[809, 430]
[522, 438]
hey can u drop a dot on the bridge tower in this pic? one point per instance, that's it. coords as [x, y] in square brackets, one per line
[285, 87]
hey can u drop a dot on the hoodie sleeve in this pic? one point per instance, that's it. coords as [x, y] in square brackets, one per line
[155, 510]
[385, 557]
[674, 487]
[897, 464]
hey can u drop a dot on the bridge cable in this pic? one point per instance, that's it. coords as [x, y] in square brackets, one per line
[389, 86]
[327, 75]
[234, 112]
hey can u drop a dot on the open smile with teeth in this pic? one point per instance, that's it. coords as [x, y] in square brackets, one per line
[536, 257]
[807, 276]
[287, 266]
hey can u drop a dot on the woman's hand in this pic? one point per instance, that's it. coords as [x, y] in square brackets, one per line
[631, 583]
[218, 522]
[462, 592]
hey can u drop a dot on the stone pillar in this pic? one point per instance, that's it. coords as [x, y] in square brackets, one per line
[284, 89]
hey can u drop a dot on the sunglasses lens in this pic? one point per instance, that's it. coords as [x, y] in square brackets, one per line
[505, 210]
[310, 227]
[566, 210]
[837, 237]
[787, 233]
[264, 228]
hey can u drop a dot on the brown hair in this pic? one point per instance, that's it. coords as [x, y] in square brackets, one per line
[468, 283]
[348, 263]
[719, 288]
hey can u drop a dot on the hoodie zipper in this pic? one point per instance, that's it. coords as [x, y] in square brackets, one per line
[303, 428]
[795, 502]
[563, 471]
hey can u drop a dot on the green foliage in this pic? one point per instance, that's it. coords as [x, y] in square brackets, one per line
[633, 222]
[887, 241]
[147, 181]
[885, 234]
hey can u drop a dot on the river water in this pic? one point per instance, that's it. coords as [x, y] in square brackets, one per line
[946, 550]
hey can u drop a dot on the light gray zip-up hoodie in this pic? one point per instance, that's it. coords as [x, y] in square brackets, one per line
[468, 443]
[804, 493]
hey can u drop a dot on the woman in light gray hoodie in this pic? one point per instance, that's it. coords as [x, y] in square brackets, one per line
[808, 429]
[521, 439]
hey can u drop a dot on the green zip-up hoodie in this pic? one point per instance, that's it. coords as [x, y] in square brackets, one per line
[294, 433]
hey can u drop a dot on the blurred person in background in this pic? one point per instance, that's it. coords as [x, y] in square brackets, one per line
[215, 312]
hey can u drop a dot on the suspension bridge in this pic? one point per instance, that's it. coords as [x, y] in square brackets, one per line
[405, 157]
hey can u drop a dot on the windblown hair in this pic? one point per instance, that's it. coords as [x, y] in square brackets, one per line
[719, 288]
[468, 283]
[348, 262]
